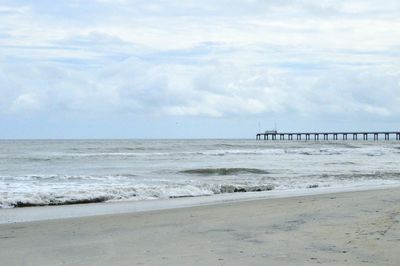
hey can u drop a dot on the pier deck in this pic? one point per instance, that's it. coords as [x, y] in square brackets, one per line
[362, 135]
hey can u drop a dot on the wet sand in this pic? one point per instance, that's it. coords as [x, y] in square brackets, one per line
[352, 228]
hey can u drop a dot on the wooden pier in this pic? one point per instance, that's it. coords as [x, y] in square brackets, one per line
[329, 135]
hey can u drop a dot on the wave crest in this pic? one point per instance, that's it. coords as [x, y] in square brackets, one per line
[21, 204]
[224, 171]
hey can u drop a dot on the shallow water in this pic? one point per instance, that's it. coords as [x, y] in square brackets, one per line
[53, 172]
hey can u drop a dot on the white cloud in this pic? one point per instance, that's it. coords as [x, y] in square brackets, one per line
[207, 58]
[26, 102]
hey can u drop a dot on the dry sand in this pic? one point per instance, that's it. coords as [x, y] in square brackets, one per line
[353, 228]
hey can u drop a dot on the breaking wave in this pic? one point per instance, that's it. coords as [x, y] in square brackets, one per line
[72, 191]
[139, 192]
[21, 204]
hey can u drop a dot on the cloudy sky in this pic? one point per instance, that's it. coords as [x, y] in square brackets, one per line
[183, 69]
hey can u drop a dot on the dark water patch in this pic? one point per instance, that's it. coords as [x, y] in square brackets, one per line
[374, 154]
[132, 149]
[313, 152]
[349, 146]
[234, 189]
[226, 145]
[7, 237]
[183, 196]
[340, 163]
[329, 152]
[224, 171]
[35, 159]
[125, 175]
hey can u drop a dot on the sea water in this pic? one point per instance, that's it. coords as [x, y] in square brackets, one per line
[58, 172]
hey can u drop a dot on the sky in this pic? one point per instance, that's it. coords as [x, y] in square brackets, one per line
[197, 69]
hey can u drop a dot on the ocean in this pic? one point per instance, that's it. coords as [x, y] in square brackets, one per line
[59, 172]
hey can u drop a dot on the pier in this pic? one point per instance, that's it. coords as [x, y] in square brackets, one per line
[315, 136]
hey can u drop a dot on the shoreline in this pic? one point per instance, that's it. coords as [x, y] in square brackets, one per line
[43, 213]
[345, 228]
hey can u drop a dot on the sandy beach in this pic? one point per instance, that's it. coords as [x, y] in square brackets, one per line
[351, 228]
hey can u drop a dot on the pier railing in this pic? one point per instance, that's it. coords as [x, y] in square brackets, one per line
[328, 135]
